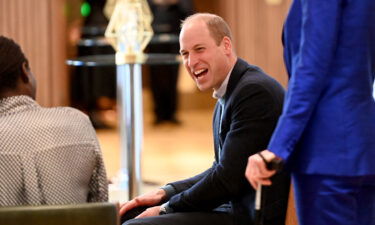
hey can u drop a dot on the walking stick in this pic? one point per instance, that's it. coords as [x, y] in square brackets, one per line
[274, 164]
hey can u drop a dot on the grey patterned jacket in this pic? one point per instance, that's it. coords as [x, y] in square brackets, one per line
[48, 155]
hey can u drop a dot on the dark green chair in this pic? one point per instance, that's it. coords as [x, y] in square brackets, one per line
[80, 214]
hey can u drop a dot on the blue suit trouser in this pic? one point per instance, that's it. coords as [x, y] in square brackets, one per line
[335, 200]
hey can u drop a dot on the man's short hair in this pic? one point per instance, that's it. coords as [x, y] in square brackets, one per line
[11, 59]
[216, 25]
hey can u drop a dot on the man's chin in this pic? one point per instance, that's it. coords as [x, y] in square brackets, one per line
[203, 88]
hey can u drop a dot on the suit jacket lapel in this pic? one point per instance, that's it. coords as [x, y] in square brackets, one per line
[238, 70]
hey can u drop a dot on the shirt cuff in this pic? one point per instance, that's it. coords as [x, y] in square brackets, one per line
[165, 209]
[169, 191]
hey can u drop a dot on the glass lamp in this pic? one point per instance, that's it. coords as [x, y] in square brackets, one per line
[129, 31]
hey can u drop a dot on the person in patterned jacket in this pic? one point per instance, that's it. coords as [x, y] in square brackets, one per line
[47, 155]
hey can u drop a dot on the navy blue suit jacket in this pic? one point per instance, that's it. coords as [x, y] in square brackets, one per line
[328, 121]
[253, 103]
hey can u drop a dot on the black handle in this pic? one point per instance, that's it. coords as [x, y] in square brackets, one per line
[275, 164]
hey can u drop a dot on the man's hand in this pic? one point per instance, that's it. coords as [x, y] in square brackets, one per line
[152, 211]
[256, 171]
[149, 199]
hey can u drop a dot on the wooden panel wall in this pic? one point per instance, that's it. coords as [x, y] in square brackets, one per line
[39, 27]
[291, 216]
[257, 27]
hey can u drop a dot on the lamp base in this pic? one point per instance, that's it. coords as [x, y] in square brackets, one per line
[118, 190]
[129, 58]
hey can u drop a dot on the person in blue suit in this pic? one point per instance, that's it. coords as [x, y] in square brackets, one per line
[325, 134]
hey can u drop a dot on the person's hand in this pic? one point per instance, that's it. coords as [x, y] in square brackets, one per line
[256, 171]
[152, 211]
[149, 199]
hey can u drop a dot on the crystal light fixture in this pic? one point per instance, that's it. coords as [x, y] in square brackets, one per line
[129, 30]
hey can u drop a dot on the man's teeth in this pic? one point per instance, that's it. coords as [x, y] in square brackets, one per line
[199, 71]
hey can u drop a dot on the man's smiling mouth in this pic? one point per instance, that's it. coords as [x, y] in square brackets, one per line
[200, 73]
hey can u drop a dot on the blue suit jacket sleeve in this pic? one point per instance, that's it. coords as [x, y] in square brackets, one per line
[309, 50]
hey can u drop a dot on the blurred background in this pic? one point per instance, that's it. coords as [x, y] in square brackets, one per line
[179, 146]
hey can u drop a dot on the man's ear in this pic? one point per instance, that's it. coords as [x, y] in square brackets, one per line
[25, 72]
[227, 44]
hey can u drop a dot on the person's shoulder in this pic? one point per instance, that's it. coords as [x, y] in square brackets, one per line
[254, 75]
[71, 117]
[254, 81]
[70, 112]
[247, 72]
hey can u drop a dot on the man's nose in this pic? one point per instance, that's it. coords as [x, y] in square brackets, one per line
[192, 60]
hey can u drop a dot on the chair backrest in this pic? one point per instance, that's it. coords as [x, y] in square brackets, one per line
[80, 214]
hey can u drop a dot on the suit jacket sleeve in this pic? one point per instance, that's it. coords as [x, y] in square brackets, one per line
[248, 122]
[309, 69]
[182, 185]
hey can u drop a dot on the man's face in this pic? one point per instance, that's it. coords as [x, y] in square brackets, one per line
[206, 62]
